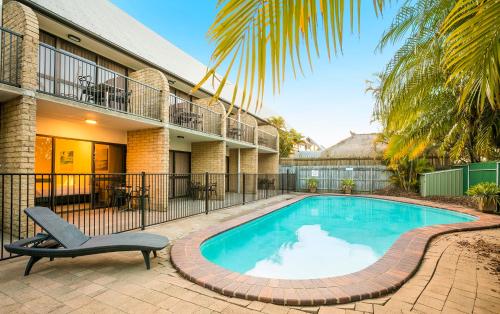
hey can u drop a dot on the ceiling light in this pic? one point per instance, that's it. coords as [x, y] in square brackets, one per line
[74, 38]
[91, 121]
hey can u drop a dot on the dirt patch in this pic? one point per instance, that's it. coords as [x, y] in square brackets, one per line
[488, 254]
[456, 200]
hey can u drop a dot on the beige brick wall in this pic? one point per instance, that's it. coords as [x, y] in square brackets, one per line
[17, 155]
[269, 163]
[147, 150]
[157, 107]
[249, 165]
[210, 157]
[18, 123]
[23, 20]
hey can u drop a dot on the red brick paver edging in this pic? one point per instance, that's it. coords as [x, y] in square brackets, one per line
[386, 275]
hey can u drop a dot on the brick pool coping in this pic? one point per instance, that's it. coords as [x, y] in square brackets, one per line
[386, 275]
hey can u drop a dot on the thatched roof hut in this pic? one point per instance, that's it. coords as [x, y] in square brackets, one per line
[357, 146]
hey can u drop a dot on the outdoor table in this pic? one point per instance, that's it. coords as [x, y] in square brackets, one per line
[105, 94]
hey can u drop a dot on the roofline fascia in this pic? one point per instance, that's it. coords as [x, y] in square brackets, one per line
[109, 43]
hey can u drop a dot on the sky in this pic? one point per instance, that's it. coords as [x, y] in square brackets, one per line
[325, 104]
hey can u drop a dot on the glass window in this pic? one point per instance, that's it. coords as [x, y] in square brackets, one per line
[43, 154]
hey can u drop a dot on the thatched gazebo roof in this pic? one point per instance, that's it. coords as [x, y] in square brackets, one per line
[357, 146]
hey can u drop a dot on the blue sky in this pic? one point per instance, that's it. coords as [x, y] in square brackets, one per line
[325, 104]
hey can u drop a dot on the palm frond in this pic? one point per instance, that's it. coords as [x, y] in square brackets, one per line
[255, 34]
[472, 50]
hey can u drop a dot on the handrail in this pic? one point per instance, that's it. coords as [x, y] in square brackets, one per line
[189, 115]
[66, 75]
[10, 56]
[243, 132]
[11, 31]
[267, 139]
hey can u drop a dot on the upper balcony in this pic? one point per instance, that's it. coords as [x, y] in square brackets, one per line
[68, 76]
[240, 131]
[10, 56]
[188, 115]
[267, 140]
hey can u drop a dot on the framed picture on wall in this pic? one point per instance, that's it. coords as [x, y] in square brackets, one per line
[66, 160]
[101, 159]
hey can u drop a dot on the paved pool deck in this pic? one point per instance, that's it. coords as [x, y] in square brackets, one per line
[453, 278]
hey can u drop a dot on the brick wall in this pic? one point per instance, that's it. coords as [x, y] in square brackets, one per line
[18, 123]
[147, 150]
[249, 164]
[269, 163]
[210, 157]
[159, 104]
[23, 20]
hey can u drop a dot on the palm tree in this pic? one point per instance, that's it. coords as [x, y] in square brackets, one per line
[419, 106]
[250, 35]
[288, 138]
[472, 51]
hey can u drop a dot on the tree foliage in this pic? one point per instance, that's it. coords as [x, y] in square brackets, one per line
[421, 104]
[288, 138]
[253, 35]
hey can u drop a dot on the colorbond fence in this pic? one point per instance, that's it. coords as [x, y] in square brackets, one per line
[367, 179]
[456, 182]
[445, 182]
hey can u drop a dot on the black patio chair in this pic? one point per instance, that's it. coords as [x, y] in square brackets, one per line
[63, 239]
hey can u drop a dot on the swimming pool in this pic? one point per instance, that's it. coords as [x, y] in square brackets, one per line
[321, 236]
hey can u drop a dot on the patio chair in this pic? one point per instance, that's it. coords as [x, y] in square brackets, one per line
[212, 188]
[66, 240]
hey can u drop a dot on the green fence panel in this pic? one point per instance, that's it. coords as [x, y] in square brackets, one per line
[482, 172]
[445, 182]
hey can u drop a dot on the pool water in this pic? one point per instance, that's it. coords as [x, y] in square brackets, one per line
[321, 236]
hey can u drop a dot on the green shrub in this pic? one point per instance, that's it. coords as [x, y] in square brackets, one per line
[312, 183]
[348, 183]
[485, 193]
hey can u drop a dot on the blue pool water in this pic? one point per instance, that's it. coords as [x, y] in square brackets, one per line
[320, 236]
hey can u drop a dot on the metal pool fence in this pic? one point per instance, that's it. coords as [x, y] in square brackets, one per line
[367, 179]
[101, 204]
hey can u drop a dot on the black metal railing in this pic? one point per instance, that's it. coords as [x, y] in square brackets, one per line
[10, 56]
[63, 74]
[240, 131]
[267, 140]
[188, 115]
[109, 203]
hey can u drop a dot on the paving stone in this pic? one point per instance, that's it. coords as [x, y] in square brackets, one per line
[364, 307]
[256, 305]
[117, 283]
[330, 310]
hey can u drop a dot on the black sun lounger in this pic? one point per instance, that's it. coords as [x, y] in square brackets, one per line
[65, 240]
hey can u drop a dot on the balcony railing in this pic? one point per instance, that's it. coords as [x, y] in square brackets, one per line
[240, 131]
[195, 117]
[10, 56]
[267, 140]
[65, 75]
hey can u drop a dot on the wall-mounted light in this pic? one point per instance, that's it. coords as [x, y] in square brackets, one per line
[74, 38]
[171, 82]
[91, 121]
